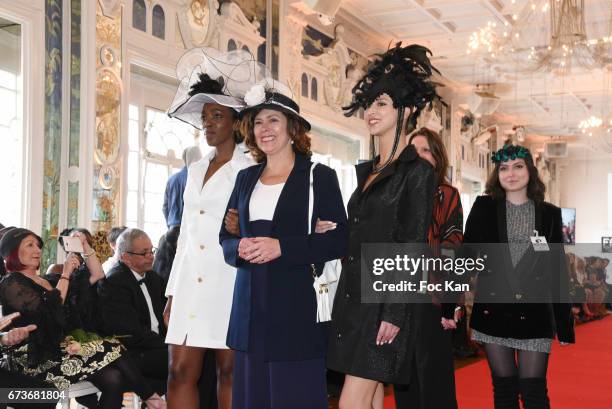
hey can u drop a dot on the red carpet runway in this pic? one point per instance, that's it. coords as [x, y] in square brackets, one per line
[579, 375]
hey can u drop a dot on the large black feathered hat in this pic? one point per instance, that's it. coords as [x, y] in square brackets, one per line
[403, 73]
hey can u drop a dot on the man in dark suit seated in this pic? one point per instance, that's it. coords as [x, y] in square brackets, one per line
[132, 301]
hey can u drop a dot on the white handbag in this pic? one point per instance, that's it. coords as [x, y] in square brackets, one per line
[326, 283]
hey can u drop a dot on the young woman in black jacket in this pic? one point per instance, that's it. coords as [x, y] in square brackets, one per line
[522, 297]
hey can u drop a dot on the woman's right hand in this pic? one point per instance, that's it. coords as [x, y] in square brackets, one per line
[17, 335]
[72, 263]
[167, 309]
[386, 333]
[324, 226]
[231, 222]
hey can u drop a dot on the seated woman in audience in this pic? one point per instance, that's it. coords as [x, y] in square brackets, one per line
[581, 277]
[81, 305]
[51, 353]
[595, 286]
[576, 290]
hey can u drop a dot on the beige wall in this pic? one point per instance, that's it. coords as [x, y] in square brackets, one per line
[584, 186]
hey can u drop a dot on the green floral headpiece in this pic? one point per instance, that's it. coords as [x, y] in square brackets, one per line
[510, 152]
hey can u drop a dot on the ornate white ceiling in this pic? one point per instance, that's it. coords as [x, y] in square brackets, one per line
[546, 105]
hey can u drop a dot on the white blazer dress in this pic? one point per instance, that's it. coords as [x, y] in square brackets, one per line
[201, 283]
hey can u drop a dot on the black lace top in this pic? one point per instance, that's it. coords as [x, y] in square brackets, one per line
[81, 304]
[44, 308]
[37, 306]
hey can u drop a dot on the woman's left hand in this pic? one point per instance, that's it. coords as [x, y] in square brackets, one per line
[262, 250]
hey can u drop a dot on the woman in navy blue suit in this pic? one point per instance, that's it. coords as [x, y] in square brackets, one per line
[280, 349]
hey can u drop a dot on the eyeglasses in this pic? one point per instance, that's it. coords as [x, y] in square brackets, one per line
[144, 253]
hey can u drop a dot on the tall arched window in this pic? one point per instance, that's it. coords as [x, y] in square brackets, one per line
[314, 94]
[261, 53]
[159, 22]
[304, 85]
[139, 15]
[231, 45]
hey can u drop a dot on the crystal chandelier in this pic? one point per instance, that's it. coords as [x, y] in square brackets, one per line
[594, 124]
[547, 36]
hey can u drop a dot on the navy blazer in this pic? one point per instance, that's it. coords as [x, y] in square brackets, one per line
[291, 329]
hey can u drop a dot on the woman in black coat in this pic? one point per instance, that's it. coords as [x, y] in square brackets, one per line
[522, 295]
[376, 342]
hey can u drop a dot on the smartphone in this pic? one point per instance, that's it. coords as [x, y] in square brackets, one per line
[72, 244]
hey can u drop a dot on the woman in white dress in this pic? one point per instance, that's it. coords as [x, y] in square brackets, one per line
[201, 284]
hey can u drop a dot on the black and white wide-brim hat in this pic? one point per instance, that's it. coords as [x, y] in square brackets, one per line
[228, 70]
[271, 94]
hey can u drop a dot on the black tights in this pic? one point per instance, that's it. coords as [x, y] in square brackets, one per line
[118, 377]
[506, 362]
[517, 372]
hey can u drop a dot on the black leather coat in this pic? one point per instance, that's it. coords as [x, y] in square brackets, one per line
[395, 208]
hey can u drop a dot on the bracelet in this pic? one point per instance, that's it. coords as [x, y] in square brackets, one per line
[87, 255]
[64, 278]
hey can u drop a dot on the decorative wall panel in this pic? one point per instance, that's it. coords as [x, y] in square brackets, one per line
[53, 130]
[107, 142]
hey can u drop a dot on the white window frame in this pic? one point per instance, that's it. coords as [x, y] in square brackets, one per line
[30, 15]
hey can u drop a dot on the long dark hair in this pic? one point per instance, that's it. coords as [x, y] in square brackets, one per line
[536, 189]
[438, 151]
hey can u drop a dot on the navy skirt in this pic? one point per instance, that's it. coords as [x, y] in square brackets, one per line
[262, 384]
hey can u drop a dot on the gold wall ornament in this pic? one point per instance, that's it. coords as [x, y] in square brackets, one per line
[108, 31]
[107, 142]
[107, 177]
[197, 22]
[108, 115]
[107, 56]
[199, 12]
[107, 139]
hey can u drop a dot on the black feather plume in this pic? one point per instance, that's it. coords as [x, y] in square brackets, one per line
[404, 74]
[207, 85]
